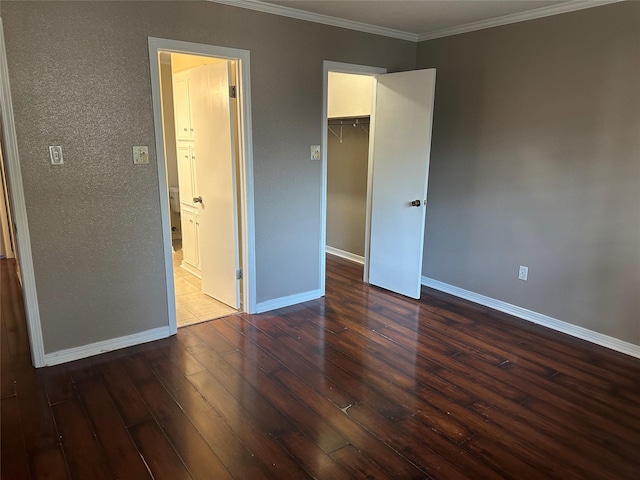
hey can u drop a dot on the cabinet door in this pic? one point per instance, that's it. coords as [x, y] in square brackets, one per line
[182, 107]
[190, 250]
[185, 173]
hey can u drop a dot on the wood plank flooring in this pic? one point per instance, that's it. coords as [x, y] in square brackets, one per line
[362, 384]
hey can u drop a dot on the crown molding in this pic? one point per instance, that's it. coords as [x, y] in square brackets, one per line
[318, 18]
[542, 12]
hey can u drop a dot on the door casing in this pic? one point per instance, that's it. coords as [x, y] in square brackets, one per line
[241, 57]
[19, 210]
[339, 67]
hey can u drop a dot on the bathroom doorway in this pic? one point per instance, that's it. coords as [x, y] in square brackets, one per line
[196, 175]
[205, 159]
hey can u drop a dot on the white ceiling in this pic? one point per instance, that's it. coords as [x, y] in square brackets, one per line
[416, 19]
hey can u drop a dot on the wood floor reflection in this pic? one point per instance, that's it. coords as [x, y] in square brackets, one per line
[360, 384]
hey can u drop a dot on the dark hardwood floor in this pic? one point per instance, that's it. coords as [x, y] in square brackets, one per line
[360, 384]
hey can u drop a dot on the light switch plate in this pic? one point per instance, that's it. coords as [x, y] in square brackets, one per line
[315, 152]
[55, 155]
[140, 155]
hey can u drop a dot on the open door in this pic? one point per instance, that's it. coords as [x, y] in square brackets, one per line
[401, 139]
[215, 189]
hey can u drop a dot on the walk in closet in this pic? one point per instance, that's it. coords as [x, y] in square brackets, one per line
[348, 111]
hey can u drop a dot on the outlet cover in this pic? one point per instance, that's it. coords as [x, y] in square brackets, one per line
[315, 152]
[55, 155]
[141, 155]
[523, 273]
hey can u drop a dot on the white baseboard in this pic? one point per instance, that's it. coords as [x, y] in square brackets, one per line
[287, 301]
[191, 269]
[348, 255]
[84, 351]
[535, 317]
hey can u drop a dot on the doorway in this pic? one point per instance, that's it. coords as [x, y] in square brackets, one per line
[398, 172]
[349, 112]
[203, 142]
[348, 100]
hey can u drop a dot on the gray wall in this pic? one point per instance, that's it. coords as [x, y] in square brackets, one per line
[536, 161]
[347, 188]
[79, 74]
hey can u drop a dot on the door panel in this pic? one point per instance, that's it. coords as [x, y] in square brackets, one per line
[184, 129]
[214, 121]
[190, 253]
[185, 174]
[401, 148]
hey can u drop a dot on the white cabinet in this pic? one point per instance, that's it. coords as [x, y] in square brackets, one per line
[190, 243]
[187, 172]
[188, 209]
[182, 106]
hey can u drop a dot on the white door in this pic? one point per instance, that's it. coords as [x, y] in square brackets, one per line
[401, 148]
[215, 184]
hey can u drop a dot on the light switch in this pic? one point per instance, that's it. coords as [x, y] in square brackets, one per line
[315, 152]
[140, 155]
[55, 155]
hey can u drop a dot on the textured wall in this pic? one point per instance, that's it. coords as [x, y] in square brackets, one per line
[80, 78]
[536, 161]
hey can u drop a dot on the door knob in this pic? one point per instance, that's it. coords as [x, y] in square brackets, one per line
[416, 203]
[197, 199]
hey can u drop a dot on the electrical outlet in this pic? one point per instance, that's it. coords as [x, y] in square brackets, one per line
[55, 155]
[315, 152]
[140, 155]
[523, 273]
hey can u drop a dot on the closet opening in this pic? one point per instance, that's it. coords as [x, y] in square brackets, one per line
[347, 167]
[349, 98]
[399, 108]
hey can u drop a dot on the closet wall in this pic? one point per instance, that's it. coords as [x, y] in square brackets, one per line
[347, 159]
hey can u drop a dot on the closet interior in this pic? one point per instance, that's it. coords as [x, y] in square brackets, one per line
[349, 112]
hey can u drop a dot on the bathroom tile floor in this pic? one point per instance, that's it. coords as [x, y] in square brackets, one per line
[192, 305]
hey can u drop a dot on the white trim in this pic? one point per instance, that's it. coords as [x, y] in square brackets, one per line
[22, 237]
[246, 164]
[329, 66]
[84, 351]
[535, 317]
[318, 18]
[344, 254]
[542, 12]
[287, 301]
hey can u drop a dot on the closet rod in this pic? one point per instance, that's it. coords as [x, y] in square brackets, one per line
[349, 121]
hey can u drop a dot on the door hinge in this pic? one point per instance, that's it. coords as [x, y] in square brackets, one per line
[232, 91]
[238, 274]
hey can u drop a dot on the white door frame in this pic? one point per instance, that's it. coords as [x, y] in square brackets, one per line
[339, 67]
[22, 238]
[157, 45]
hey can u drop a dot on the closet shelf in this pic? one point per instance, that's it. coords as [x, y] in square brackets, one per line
[347, 122]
